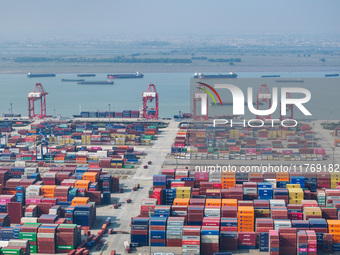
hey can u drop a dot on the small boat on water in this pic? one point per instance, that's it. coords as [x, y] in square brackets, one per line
[72, 80]
[36, 75]
[290, 80]
[95, 82]
[86, 75]
[214, 76]
[125, 75]
[271, 76]
[332, 75]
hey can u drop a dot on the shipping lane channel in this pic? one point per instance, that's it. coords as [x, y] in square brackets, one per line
[121, 217]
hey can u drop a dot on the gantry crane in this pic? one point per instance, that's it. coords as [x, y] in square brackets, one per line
[263, 96]
[148, 96]
[38, 93]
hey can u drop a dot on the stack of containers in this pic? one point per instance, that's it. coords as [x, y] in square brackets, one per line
[261, 208]
[274, 242]
[323, 180]
[228, 180]
[209, 239]
[312, 242]
[195, 214]
[157, 231]
[105, 182]
[282, 223]
[12, 250]
[320, 227]
[115, 184]
[168, 196]
[288, 240]
[4, 220]
[159, 181]
[295, 212]
[69, 215]
[139, 231]
[20, 194]
[281, 194]
[49, 178]
[174, 231]
[46, 238]
[84, 215]
[162, 211]
[68, 238]
[183, 192]
[7, 234]
[302, 243]
[295, 194]
[265, 190]
[48, 191]
[312, 212]
[245, 219]
[147, 205]
[321, 196]
[29, 231]
[246, 240]
[249, 190]
[327, 245]
[334, 229]
[61, 192]
[191, 240]
[298, 180]
[228, 239]
[335, 179]
[157, 194]
[72, 194]
[24, 244]
[228, 224]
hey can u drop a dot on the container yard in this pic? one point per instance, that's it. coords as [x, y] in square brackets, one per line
[121, 182]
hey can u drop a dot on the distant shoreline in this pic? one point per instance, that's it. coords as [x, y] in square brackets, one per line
[158, 68]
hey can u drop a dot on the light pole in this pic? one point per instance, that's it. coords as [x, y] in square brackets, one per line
[11, 112]
[54, 114]
[333, 148]
[109, 113]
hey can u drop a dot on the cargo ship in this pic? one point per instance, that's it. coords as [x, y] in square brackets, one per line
[332, 75]
[86, 75]
[72, 80]
[214, 76]
[271, 76]
[125, 75]
[290, 80]
[95, 82]
[36, 75]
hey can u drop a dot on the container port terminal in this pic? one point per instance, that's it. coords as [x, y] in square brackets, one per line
[107, 172]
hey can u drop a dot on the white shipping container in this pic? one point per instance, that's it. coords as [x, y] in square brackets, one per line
[17, 242]
[50, 174]
[4, 244]
[29, 220]
[46, 235]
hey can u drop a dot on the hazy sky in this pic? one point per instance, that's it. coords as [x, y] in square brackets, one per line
[131, 19]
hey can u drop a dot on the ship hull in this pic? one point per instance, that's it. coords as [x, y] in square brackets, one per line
[124, 76]
[37, 75]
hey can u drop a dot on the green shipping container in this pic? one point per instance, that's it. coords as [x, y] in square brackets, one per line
[33, 249]
[65, 247]
[28, 236]
[148, 137]
[128, 166]
[10, 251]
